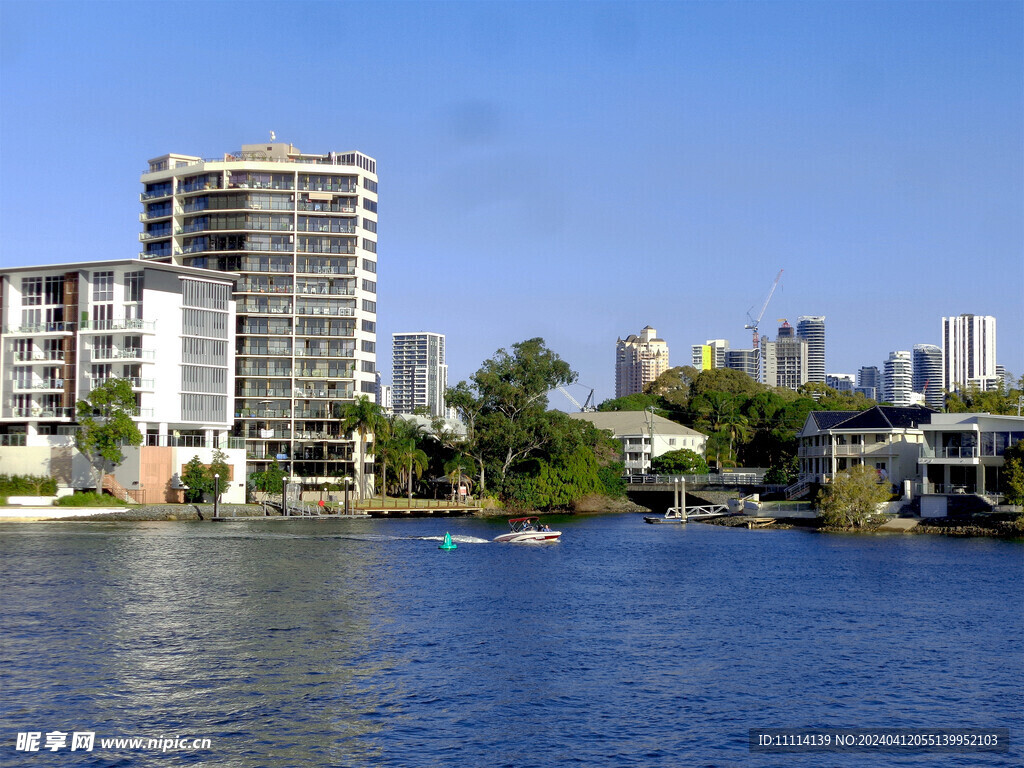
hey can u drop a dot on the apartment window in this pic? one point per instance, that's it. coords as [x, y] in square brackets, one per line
[368, 386]
[368, 367]
[370, 205]
[133, 287]
[369, 245]
[370, 266]
[54, 293]
[368, 346]
[369, 225]
[370, 185]
[369, 306]
[31, 291]
[199, 293]
[23, 377]
[369, 285]
[369, 326]
[196, 378]
[102, 286]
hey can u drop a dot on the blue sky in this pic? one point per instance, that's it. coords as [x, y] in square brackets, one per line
[568, 170]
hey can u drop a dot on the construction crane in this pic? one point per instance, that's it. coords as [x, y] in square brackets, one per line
[754, 322]
[586, 407]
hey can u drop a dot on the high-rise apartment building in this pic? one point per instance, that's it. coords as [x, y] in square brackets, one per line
[784, 361]
[928, 375]
[840, 382]
[709, 355]
[419, 374]
[639, 360]
[869, 381]
[812, 330]
[300, 231]
[897, 378]
[969, 352]
[745, 360]
[168, 330]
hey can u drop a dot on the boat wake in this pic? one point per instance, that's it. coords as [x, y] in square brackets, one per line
[456, 538]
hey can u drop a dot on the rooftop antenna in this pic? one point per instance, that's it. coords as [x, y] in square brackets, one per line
[273, 136]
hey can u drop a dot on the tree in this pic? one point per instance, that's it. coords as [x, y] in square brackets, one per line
[364, 417]
[269, 480]
[413, 461]
[852, 497]
[219, 466]
[504, 405]
[1013, 473]
[680, 462]
[105, 425]
[197, 480]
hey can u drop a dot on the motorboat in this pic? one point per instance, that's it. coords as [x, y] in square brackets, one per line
[528, 530]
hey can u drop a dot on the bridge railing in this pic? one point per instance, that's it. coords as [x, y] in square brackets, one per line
[730, 479]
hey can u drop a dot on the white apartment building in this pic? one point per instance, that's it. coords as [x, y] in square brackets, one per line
[169, 330]
[300, 231]
[969, 352]
[897, 378]
[419, 373]
[639, 360]
[812, 330]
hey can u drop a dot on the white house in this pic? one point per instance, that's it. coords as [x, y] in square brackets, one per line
[644, 435]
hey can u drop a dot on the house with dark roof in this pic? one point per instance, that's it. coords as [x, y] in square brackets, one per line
[886, 438]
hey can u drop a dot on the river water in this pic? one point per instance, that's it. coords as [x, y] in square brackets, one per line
[359, 643]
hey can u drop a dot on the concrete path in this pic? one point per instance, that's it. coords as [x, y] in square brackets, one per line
[899, 524]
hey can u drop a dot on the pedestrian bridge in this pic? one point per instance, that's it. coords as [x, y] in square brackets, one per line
[726, 481]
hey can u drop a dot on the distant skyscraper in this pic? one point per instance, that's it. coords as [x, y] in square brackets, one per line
[928, 375]
[710, 354]
[745, 360]
[840, 382]
[419, 374]
[812, 330]
[969, 351]
[897, 378]
[784, 361]
[639, 360]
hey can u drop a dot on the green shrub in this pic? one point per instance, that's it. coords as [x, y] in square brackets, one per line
[90, 499]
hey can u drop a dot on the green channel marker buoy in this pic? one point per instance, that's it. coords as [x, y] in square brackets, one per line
[447, 543]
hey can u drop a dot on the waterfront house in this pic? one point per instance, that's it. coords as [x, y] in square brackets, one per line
[885, 438]
[962, 454]
[644, 435]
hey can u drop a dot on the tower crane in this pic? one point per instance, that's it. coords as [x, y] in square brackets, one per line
[586, 407]
[754, 322]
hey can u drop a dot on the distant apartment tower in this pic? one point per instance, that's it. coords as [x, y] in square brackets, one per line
[897, 378]
[812, 330]
[300, 231]
[969, 352]
[745, 360]
[709, 355]
[840, 382]
[869, 381]
[639, 360]
[928, 375]
[419, 373]
[784, 361]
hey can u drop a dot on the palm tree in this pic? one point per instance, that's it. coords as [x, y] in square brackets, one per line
[456, 470]
[414, 461]
[364, 417]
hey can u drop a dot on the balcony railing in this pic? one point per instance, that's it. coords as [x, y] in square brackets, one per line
[39, 328]
[39, 357]
[955, 452]
[324, 353]
[51, 384]
[244, 287]
[115, 353]
[328, 311]
[15, 440]
[118, 324]
[37, 412]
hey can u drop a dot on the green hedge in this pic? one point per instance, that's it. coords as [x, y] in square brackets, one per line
[27, 485]
[90, 499]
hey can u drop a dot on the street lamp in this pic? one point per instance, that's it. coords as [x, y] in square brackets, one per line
[348, 484]
[216, 493]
